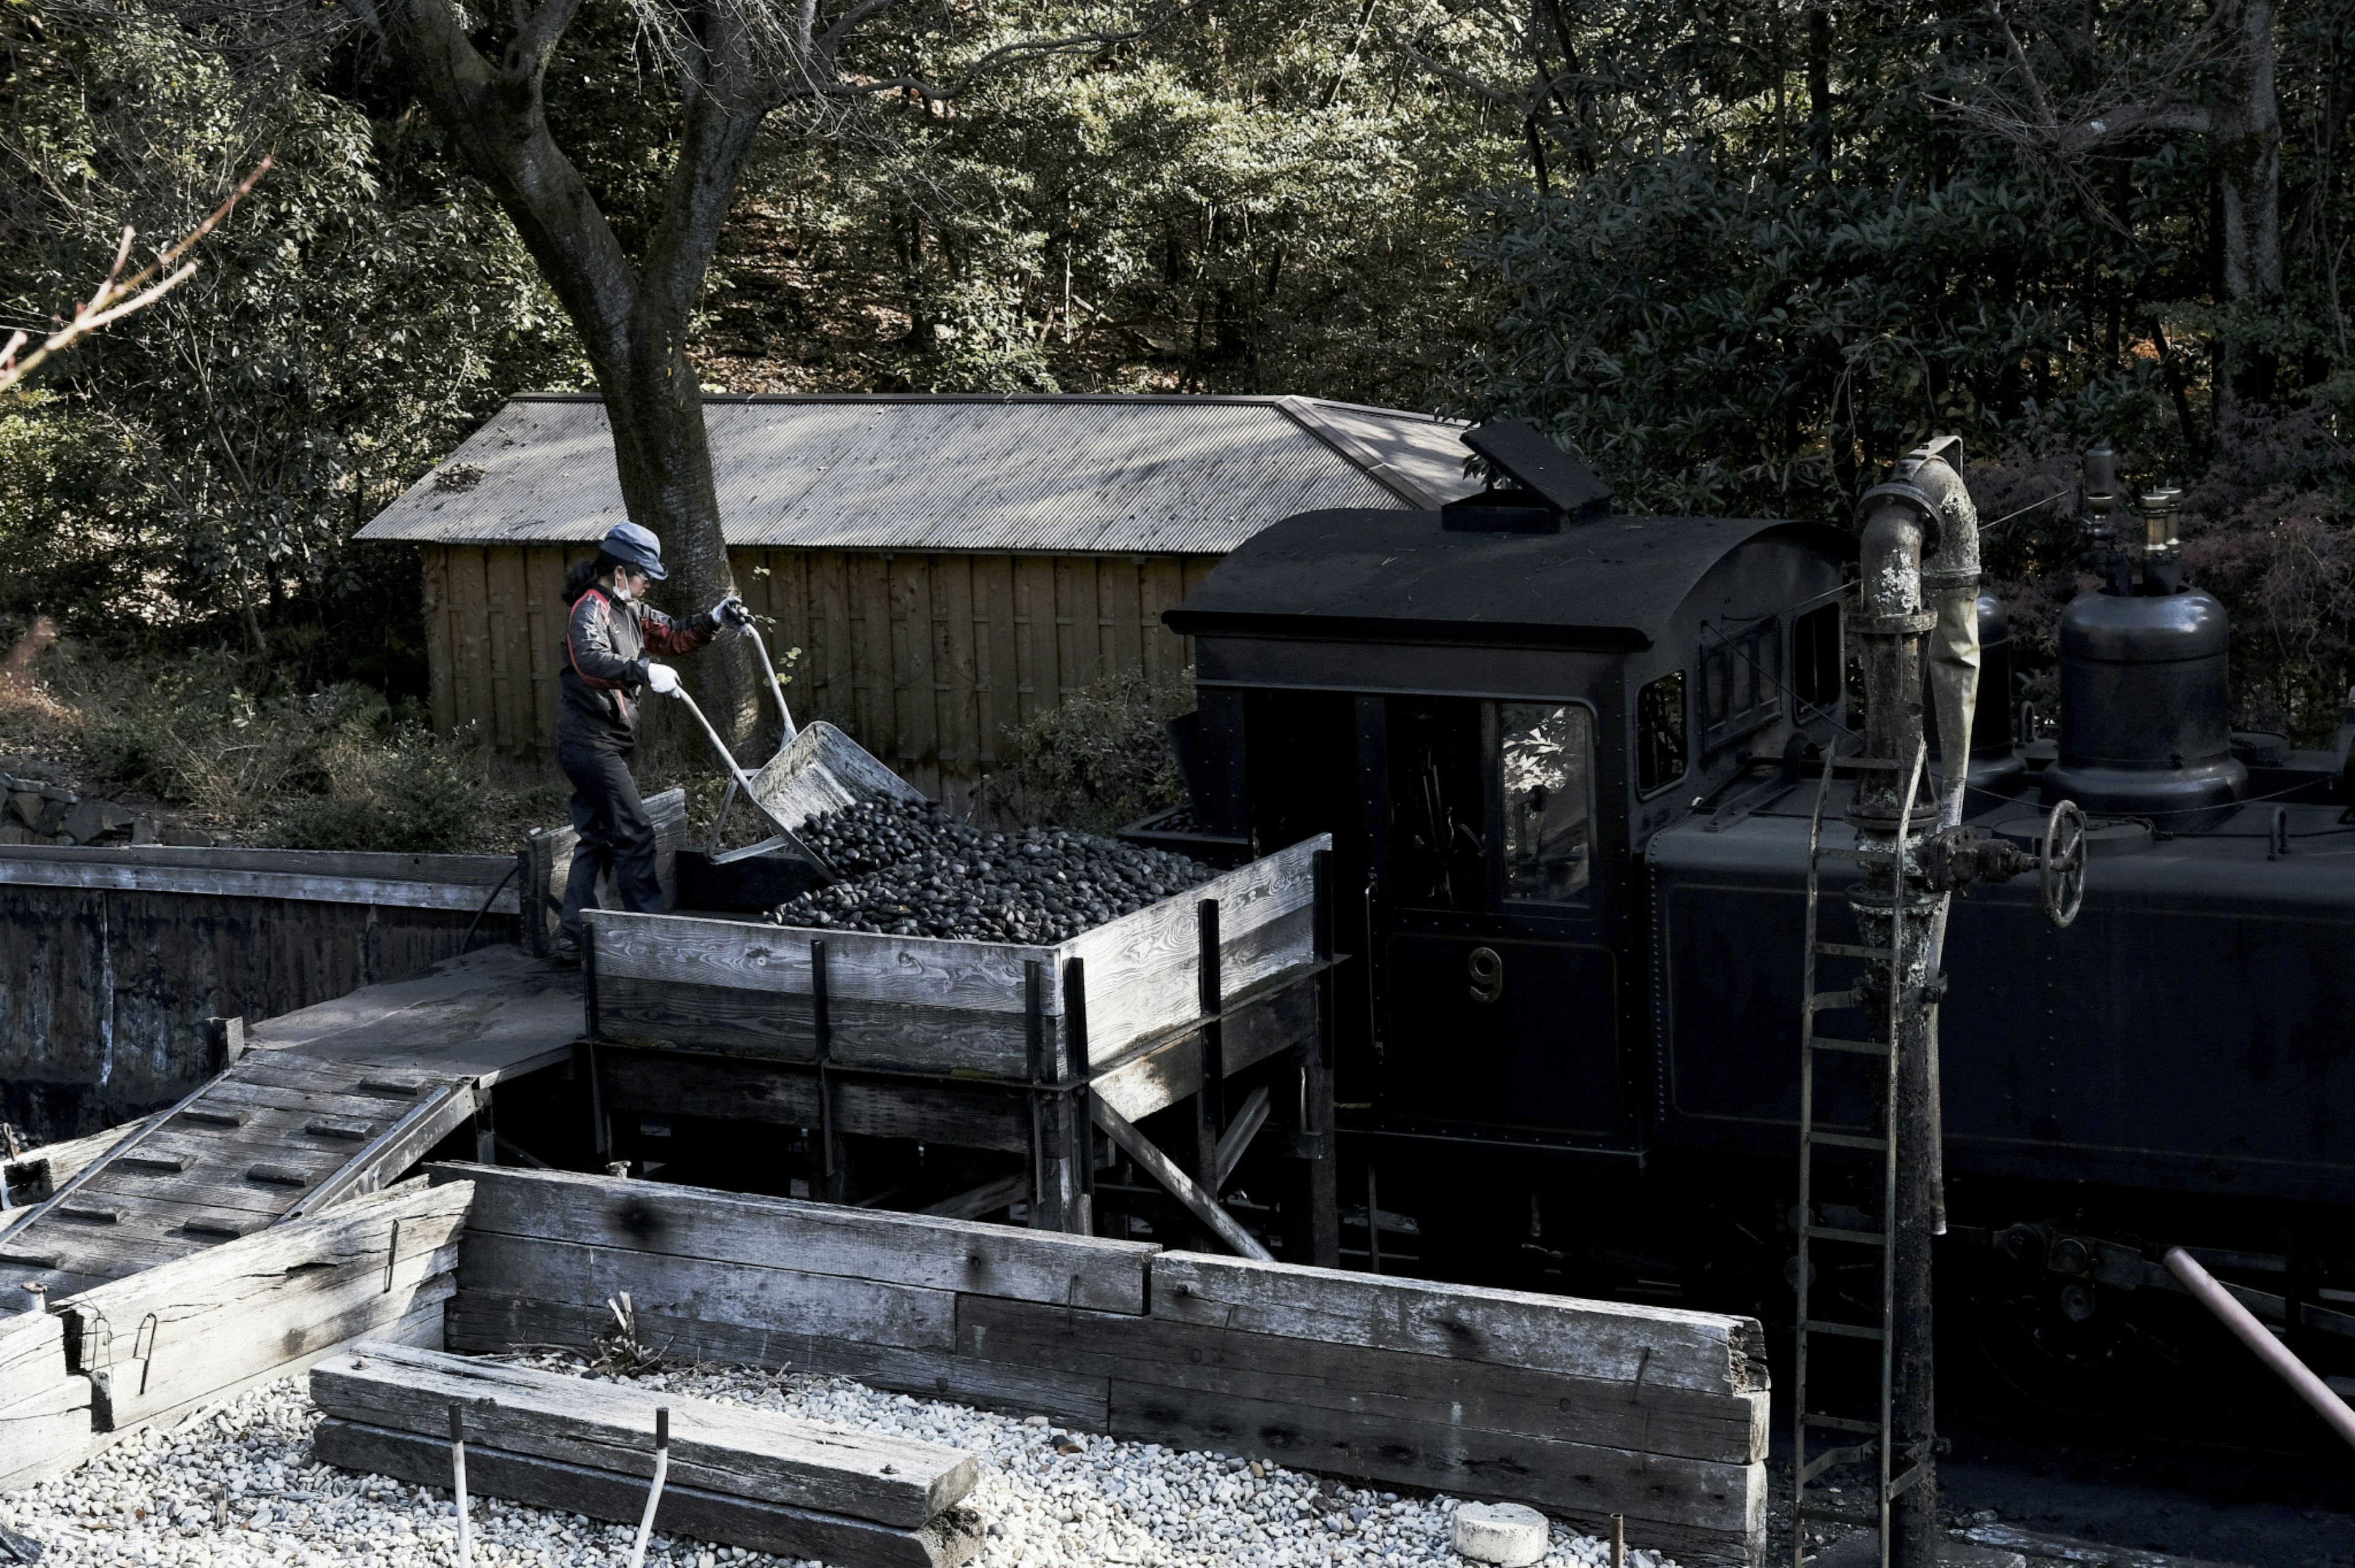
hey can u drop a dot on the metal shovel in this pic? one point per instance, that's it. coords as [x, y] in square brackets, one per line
[816, 770]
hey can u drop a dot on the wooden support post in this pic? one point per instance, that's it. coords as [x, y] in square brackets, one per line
[227, 1039]
[1209, 1098]
[601, 1133]
[1318, 1144]
[1034, 1029]
[833, 1185]
[1080, 1137]
[589, 978]
[487, 1131]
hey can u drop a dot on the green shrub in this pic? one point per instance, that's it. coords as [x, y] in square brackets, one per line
[1101, 758]
[403, 792]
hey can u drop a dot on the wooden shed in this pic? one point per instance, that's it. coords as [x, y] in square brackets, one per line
[949, 566]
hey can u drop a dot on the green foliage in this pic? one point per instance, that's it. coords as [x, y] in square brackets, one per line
[1100, 759]
[206, 461]
[1262, 198]
[402, 790]
[1748, 292]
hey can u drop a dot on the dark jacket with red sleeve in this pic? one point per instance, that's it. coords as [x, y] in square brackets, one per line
[603, 663]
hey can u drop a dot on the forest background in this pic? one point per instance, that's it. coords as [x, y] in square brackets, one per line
[1739, 254]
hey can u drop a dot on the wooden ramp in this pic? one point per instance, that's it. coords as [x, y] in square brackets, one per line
[326, 1104]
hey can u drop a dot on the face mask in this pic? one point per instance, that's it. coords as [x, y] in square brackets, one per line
[621, 587]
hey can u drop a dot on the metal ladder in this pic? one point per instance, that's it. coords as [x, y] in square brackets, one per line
[1876, 1435]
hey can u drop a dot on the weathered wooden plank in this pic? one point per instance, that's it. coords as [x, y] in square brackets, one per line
[684, 1510]
[740, 1022]
[753, 1232]
[1144, 969]
[441, 644]
[44, 1430]
[1729, 1429]
[545, 614]
[32, 1356]
[1120, 605]
[860, 966]
[997, 675]
[397, 1148]
[469, 597]
[261, 1339]
[675, 1084]
[224, 1189]
[761, 1455]
[76, 1441]
[162, 1337]
[1037, 688]
[783, 1301]
[1079, 639]
[1161, 588]
[1612, 1341]
[867, 581]
[1160, 1072]
[38, 1172]
[1590, 1483]
[956, 670]
[488, 1324]
[831, 646]
[104, 871]
[507, 720]
[914, 752]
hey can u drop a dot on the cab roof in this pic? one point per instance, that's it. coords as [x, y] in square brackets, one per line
[1609, 584]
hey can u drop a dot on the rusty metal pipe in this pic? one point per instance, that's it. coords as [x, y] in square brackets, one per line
[2260, 1341]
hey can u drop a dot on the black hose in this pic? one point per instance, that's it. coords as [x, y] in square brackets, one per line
[468, 946]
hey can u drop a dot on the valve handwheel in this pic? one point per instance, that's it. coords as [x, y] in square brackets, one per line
[2061, 875]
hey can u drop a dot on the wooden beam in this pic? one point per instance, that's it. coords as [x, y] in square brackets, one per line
[794, 1532]
[1238, 1137]
[750, 1233]
[311, 876]
[761, 1455]
[1180, 1185]
[1660, 1346]
[987, 1198]
[159, 1338]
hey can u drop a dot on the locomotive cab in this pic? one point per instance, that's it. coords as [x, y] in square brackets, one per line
[1491, 708]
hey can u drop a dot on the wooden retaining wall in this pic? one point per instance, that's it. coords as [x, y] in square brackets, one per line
[924, 659]
[113, 960]
[1584, 1409]
[148, 1349]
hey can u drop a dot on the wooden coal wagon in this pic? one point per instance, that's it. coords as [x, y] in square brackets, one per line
[1219, 996]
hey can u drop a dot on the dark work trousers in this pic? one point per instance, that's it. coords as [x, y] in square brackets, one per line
[615, 835]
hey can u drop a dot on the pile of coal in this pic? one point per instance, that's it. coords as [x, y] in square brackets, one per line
[910, 869]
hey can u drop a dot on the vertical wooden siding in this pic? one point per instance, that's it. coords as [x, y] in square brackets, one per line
[926, 659]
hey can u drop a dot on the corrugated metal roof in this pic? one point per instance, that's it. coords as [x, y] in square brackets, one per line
[1151, 476]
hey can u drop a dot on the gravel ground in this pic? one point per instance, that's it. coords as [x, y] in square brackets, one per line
[915, 870]
[236, 1486]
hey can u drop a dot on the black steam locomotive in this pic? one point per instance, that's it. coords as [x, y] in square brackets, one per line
[1569, 758]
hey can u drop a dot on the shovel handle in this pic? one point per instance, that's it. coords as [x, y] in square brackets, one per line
[745, 783]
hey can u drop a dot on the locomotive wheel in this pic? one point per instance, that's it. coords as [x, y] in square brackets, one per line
[2061, 877]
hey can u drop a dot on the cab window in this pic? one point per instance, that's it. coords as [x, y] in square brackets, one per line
[1660, 733]
[1546, 766]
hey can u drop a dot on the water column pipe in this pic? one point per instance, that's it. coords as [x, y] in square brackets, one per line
[1919, 563]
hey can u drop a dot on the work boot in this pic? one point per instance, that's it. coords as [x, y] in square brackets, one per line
[567, 951]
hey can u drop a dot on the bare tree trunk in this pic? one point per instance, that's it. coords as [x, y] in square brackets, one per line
[2246, 135]
[632, 320]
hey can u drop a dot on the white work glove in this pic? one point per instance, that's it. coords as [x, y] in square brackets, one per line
[663, 679]
[730, 615]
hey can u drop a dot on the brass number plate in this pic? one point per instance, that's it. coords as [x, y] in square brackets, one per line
[1487, 972]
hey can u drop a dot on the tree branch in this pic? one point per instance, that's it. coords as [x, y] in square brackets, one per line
[535, 37]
